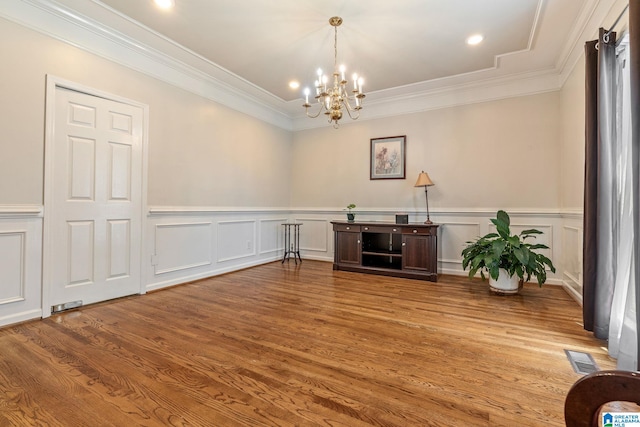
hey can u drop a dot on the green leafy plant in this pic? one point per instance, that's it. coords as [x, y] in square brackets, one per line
[350, 215]
[509, 252]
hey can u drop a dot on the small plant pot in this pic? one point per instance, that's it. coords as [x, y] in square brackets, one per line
[505, 285]
[351, 217]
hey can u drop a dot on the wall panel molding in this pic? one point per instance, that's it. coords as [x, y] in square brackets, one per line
[271, 240]
[20, 263]
[236, 239]
[212, 241]
[205, 232]
[314, 236]
[457, 234]
[182, 246]
[12, 266]
[572, 237]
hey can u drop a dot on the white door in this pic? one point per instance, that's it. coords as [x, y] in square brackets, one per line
[94, 214]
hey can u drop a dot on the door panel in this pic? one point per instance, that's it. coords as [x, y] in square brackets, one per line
[348, 248]
[96, 199]
[418, 253]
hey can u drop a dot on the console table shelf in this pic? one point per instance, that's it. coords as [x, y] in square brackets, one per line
[403, 250]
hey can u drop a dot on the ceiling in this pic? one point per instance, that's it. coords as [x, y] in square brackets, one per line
[391, 44]
[402, 49]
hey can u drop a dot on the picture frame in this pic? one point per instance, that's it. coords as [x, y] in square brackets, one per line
[388, 157]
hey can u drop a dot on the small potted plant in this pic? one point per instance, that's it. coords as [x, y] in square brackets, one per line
[350, 215]
[508, 259]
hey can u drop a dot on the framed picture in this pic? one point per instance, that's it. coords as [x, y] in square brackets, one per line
[388, 157]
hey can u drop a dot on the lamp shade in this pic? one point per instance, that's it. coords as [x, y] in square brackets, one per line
[423, 180]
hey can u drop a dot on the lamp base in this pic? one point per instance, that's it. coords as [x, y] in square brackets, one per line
[428, 221]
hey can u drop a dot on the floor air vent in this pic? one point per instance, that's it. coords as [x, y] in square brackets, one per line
[66, 306]
[582, 363]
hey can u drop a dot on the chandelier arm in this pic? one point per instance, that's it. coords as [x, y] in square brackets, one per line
[347, 104]
[314, 116]
[349, 110]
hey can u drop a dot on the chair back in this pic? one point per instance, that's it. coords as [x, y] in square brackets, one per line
[587, 395]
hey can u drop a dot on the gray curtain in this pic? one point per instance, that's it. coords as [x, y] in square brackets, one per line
[599, 248]
[611, 251]
[634, 46]
[622, 324]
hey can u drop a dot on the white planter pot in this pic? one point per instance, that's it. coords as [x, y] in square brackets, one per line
[505, 285]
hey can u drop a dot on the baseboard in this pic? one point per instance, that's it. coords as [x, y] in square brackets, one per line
[206, 274]
[21, 317]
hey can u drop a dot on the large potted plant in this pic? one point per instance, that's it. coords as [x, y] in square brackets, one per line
[508, 259]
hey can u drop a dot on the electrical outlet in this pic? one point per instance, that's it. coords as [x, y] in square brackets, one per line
[248, 244]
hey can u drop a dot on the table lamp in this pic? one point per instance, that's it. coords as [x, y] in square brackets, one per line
[425, 181]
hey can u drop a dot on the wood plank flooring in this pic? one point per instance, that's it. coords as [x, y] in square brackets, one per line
[299, 345]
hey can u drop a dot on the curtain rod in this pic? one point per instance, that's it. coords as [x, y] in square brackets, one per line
[617, 20]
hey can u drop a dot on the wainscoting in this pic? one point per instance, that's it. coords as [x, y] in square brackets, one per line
[20, 263]
[457, 228]
[186, 243]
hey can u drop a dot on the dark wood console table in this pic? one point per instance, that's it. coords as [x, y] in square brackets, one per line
[403, 250]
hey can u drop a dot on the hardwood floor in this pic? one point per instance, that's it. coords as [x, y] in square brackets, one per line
[284, 345]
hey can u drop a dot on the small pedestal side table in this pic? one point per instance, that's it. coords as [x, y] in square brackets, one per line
[292, 241]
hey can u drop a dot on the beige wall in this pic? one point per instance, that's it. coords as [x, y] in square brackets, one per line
[200, 153]
[572, 148]
[500, 154]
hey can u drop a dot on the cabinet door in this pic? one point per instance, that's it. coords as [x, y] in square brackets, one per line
[419, 253]
[347, 248]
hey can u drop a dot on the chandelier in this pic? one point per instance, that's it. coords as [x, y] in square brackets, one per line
[333, 99]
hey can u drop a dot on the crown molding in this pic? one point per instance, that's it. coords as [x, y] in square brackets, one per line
[206, 79]
[593, 15]
[445, 97]
[62, 23]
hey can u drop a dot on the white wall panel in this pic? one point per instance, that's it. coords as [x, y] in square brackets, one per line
[271, 235]
[572, 274]
[12, 265]
[313, 234]
[20, 264]
[243, 238]
[182, 246]
[236, 239]
[452, 238]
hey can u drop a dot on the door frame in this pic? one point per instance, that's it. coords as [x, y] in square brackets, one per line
[52, 84]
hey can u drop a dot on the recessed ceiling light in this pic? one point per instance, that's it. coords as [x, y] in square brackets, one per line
[294, 84]
[165, 4]
[475, 39]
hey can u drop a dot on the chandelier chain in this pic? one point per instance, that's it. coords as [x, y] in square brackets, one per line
[335, 49]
